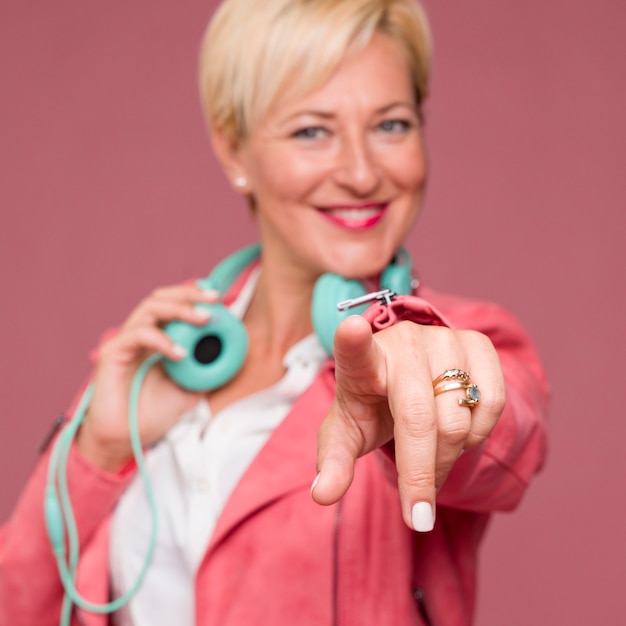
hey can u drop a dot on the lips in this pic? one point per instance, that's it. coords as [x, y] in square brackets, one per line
[355, 217]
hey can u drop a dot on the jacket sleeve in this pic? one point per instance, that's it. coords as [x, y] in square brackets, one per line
[30, 589]
[494, 475]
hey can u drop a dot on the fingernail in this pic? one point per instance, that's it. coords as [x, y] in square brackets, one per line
[179, 351]
[211, 294]
[422, 517]
[315, 481]
[201, 313]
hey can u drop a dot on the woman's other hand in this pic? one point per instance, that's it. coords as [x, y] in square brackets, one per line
[104, 436]
[385, 392]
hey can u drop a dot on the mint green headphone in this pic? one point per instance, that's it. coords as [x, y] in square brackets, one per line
[217, 350]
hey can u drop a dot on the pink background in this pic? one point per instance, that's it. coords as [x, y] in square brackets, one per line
[108, 189]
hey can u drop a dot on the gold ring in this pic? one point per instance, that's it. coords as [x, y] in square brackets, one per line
[454, 374]
[472, 393]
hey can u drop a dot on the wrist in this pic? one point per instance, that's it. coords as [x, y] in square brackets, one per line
[109, 457]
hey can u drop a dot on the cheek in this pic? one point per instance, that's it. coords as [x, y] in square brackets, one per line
[410, 175]
[408, 167]
[284, 175]
[416, 167]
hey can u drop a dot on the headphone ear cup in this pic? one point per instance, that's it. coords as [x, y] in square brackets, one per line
[215, 351]
[397, 277]
[328, 291]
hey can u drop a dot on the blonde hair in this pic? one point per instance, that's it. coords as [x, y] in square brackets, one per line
[255, 51]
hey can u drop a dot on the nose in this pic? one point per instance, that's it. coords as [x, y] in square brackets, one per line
[356, 168]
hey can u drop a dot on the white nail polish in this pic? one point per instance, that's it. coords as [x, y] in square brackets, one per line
[315, 481]
[422, 517]
[201, 313]
[179, 351]
[211, 294]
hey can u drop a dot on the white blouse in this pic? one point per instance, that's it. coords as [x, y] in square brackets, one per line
[194, 469]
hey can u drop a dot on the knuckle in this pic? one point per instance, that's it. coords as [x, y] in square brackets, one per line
[156, 293]
[407, 329]
[445, 338]
[493, 400]
[477, 343]
[418, 418]
[407, 334]
[144, 334]
[454, 431]
[475, 338]
[167, 292]
[475, 439]
[418, 479]
[142, 310]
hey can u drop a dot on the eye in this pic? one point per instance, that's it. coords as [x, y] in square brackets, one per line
[395, 126]
[311, 132]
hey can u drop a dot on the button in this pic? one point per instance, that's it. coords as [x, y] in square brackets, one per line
[200, 484]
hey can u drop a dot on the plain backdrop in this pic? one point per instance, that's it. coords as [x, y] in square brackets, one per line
[108, 189]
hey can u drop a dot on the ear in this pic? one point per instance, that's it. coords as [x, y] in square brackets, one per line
[228, 152]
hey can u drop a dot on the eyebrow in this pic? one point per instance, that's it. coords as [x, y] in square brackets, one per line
[393, 105]
[328, 115]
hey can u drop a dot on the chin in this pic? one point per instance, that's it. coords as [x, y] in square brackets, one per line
[360, 266]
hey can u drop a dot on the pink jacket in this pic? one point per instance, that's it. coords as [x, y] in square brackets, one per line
[278, 558]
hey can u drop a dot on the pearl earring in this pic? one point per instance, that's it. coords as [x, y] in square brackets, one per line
[240, 182]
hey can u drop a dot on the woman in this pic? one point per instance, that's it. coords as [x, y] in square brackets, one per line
[314, 110]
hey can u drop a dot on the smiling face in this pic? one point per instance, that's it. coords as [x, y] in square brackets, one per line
[338, 176]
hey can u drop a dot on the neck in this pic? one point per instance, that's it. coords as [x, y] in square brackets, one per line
[279, 314]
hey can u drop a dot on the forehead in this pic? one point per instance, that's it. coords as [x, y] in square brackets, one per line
[371, 77]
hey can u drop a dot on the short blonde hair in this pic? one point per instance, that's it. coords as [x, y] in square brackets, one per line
[255, 51]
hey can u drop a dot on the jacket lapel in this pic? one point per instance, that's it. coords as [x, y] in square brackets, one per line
[287, 461]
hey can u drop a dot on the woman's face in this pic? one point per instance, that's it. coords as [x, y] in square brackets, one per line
[338, 175]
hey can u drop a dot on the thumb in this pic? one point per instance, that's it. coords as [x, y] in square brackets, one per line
[337, 451]
[343, 435]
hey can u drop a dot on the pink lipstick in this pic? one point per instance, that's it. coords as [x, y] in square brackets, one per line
[355, 216]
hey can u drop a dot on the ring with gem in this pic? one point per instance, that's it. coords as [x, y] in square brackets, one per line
[452, 374]
[472, 393]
